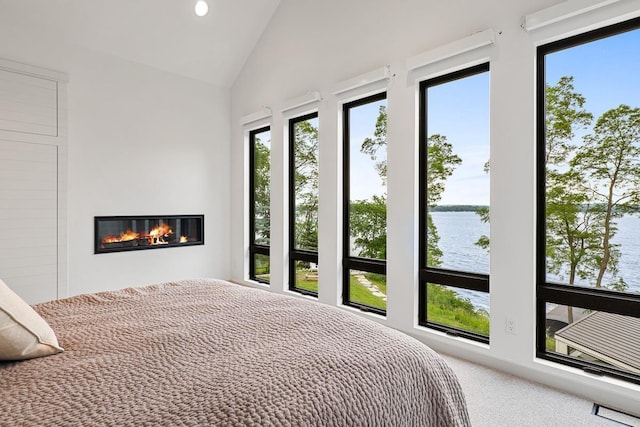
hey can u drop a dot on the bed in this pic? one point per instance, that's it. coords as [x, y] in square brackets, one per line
[209, 352]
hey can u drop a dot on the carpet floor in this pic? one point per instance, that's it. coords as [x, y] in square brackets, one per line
[497, 399]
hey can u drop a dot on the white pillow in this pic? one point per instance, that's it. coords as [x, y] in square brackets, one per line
[23, 333]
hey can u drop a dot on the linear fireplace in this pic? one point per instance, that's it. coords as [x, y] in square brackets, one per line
[127, 233]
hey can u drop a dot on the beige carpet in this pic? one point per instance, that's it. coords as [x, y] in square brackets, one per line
[497, 399]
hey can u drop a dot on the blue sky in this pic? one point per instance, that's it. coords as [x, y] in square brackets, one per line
[365, 180]
[459, 110]
[605, 72]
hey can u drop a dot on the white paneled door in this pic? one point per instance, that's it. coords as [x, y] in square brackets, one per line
[28, 219]
[33, 250]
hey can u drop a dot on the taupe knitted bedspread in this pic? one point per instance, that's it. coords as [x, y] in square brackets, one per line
[211, 353]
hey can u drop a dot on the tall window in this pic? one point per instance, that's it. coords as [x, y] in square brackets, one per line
[259, 203]
[303, 204]
[454, 203]
[365, 204]
[588, 222]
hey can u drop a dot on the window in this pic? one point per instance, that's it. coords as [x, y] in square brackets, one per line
[364, 284]
[303, 204]
[454, 203]
[259, 203]
[588, 191]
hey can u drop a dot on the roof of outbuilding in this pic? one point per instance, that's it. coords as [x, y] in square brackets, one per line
[611, 335]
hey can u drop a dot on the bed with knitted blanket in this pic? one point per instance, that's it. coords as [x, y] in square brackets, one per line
[212, 353]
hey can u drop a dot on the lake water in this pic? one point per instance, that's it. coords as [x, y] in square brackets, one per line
[460, 230]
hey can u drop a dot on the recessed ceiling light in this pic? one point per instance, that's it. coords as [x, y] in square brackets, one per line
[202, 8]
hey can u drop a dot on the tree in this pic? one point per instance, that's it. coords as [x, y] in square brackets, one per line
[441, 162]
[610, 156]
[484, 241]
[570, 233]
[588, 186]
[573, 230]
[306, 185]
[564, 114]
[368, 218]
[368, 224]
[262, 188]
[371, 146]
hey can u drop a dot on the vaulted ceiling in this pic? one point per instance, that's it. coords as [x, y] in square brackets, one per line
[164, 34]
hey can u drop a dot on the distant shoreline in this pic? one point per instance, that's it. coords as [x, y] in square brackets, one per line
[457, 208]
[474, 208]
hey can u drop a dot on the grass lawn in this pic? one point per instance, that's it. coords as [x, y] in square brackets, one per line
[361, 295]
[550, 343]
[306, 283]
[380, 280]
[458, 318]
[445, 307]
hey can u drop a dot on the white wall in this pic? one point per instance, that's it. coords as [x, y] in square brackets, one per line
[141, 142]
[313, 46]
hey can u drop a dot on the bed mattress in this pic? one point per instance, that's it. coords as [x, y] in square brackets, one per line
[209, 352]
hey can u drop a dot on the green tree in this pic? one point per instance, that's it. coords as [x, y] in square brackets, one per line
[484, 241]
[368, 221]
[368, 218]
[306, 185]
[570, 232]
[588, 186]
[564, 114]
[441, 162]
[262, 189]
[371, 146]
[573, 229]
[610, 157]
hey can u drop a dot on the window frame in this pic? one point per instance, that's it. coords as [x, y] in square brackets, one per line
[349, 262]
[255, 248]
[436, 275]
[626, 304]
[294, 253]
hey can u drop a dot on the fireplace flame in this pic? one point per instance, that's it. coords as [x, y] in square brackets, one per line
[125, 236]
[158, 234]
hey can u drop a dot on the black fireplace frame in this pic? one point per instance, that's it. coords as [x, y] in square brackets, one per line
[98, 249]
